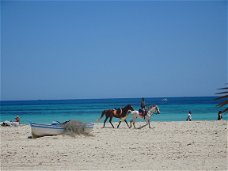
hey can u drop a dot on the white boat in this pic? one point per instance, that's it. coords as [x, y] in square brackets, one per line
[39, 130]
[165, 100]
[56, 128]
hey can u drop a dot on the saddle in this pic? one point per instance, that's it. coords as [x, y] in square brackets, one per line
[117, 111]
[142, 113]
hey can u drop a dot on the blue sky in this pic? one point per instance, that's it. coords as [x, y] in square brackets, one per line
[74, 50]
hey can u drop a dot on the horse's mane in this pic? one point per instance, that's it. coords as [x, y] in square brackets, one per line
[128, 105]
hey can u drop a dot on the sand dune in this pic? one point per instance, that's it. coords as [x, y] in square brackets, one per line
[196, 145]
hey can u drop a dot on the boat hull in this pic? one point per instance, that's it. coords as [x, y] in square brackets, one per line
[39, 130]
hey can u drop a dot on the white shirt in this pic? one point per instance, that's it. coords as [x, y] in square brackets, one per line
[189, 116]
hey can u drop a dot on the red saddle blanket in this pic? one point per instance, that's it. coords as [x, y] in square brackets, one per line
[141, 115]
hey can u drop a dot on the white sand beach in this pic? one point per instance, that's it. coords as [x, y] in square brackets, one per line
[196, 145]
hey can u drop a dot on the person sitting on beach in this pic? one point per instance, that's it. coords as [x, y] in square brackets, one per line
[6, 123]
[189, 117]
[9, 123]
[220, 115]
[17, 119]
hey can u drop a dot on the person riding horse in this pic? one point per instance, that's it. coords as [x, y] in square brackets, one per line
[136, 114]
[143, 110]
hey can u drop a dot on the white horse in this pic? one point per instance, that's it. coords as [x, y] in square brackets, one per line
[135, 114]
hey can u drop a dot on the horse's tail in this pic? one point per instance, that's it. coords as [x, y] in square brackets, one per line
[102, 114]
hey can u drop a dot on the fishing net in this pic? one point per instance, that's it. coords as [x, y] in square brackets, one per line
[73, 128]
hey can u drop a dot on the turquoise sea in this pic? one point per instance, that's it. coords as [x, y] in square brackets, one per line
[89, 110]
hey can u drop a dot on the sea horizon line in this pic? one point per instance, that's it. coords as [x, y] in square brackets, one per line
[157, 97]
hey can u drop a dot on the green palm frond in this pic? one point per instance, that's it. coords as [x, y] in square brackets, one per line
[224, 97]
[221, 97]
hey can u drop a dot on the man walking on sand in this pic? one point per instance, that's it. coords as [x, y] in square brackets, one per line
[189, 117]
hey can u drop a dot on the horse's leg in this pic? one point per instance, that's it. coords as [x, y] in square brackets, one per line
[110, 120]
[119, 124]
[131, 123]
[134, 124]
[149, 122]
[105, 121]
[127, 123]
[133, 120]
[147, 119]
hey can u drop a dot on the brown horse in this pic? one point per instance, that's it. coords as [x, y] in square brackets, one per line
[117, 113]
